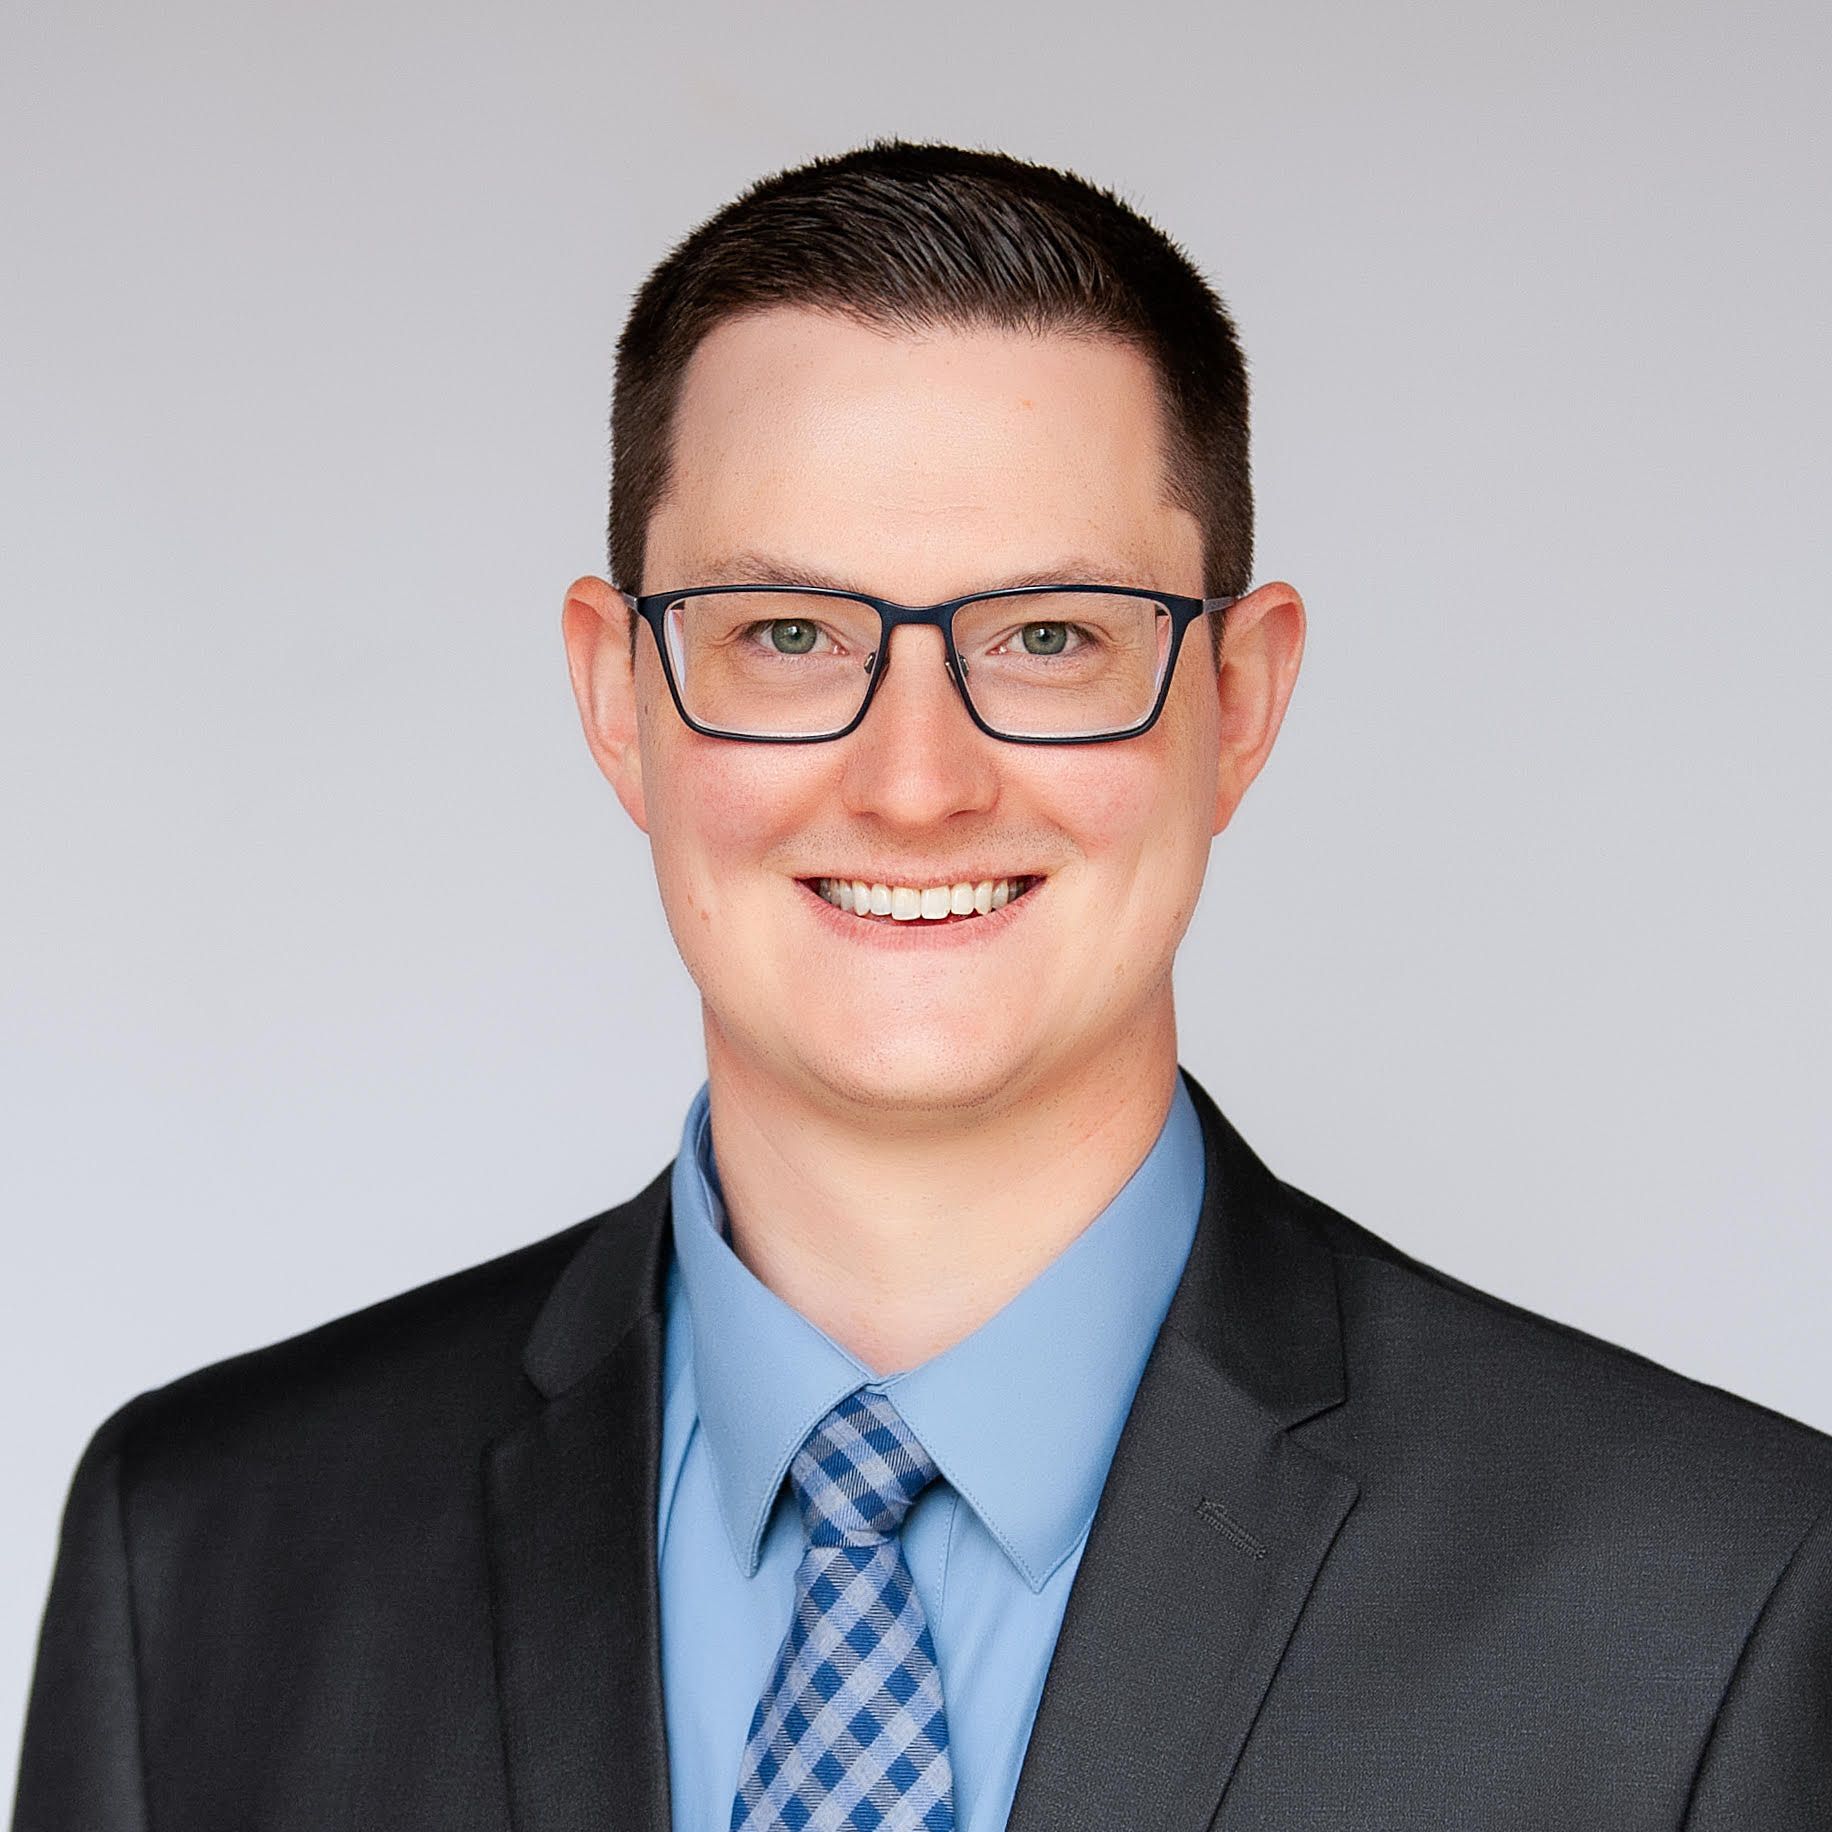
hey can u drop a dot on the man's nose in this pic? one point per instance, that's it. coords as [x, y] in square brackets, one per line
[918, 754]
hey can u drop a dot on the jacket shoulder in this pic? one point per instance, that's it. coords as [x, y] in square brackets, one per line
[439, 1362]
[1536, 1401]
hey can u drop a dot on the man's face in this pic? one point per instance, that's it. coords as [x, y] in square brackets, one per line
[921, 468]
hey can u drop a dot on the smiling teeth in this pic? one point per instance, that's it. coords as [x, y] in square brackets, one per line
[921, 903]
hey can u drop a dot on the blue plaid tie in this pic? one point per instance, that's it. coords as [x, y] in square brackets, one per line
[850, 1735]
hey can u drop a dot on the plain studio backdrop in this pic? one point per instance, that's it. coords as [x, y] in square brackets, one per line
[330, 962]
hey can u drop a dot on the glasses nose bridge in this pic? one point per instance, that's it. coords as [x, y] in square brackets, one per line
[916, 617]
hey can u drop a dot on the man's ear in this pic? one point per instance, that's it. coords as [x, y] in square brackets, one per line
[1262, 644]
[595, 623]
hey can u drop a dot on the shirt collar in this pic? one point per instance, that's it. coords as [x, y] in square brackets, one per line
[1063, 1358]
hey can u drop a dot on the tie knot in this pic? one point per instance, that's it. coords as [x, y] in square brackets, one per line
[859, 1472]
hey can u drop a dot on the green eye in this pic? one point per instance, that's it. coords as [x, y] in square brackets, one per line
[1052, 642]
[799, 638]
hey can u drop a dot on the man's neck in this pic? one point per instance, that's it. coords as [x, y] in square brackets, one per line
[898, 1241]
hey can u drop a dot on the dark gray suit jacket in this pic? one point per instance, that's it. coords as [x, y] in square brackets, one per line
[1376, 1551]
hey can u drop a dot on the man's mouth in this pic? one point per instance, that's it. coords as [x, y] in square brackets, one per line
[936, 903]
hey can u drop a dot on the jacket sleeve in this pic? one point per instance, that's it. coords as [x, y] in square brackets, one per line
[80, 1767]
[1768, 1760]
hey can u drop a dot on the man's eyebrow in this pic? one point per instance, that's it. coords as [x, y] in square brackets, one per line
[750, 568]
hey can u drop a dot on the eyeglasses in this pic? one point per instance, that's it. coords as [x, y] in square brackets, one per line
[1034, 664]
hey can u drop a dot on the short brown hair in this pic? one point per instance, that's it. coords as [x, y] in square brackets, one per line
[917, 234]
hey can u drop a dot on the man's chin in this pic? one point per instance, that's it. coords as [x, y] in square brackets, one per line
[915, 1075]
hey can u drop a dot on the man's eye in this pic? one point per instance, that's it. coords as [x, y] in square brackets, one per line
[785, 635]
[1046, 639]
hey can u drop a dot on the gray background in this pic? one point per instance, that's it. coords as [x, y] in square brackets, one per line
[331, 964]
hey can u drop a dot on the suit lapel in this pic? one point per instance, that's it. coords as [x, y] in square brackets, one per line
[1211, 1528]
[570, 1499]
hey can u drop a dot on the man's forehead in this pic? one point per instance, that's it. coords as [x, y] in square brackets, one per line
[822, 453]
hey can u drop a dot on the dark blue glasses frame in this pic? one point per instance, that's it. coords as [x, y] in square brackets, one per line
[1184, 611]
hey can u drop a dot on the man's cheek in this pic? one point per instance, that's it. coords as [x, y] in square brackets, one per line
[1105, 803]
[725, 815]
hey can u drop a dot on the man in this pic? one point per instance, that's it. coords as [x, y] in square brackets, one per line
[965, 1428]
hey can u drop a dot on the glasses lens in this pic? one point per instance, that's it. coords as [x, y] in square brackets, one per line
[776, 664]
[1063, 664]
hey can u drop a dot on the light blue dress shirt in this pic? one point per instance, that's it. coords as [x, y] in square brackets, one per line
[1021, 1416]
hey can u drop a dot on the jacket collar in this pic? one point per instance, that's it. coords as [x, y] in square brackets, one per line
[617, 1278]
